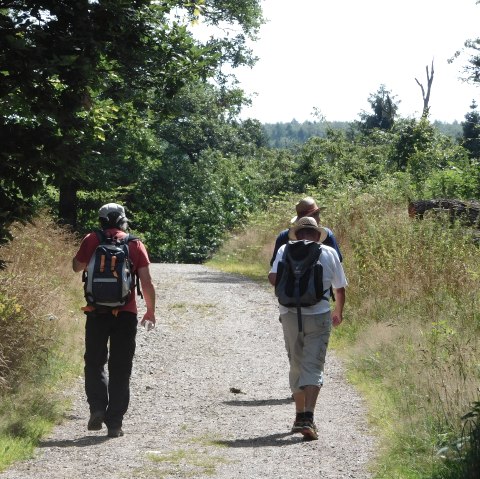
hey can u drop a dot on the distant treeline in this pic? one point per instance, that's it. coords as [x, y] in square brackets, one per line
[285, 135]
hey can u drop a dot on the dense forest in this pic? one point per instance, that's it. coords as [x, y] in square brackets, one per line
[118, 101]
[291, 134]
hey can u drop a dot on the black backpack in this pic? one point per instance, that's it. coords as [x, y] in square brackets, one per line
[109, 278]
[299, 280]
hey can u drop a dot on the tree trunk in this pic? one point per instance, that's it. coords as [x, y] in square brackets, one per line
[426, 96]
[67, 206]
[468, 212]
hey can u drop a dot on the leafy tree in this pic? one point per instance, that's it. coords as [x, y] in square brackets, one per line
[196, 175]
[472, 69]
[191, 205]
[384, 107]
[471, 132]
[411, 136]
[253, 133]
[204, 117]
[70, 69]
[453, 181]
[338, 160]
[419, 149]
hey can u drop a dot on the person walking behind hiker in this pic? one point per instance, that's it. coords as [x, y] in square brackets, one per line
[108, 399]
[306, 335]
[306, 207]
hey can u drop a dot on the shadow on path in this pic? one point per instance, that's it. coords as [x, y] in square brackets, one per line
[259, 402]
[84, 441]
[213, 277]
[282, 439]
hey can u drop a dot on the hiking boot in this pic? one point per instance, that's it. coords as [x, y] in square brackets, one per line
[298, 426]
[309, 430]
[95, 421]
[115, 432]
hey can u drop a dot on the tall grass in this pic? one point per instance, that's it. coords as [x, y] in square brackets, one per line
[248, 250]
[414, 301]
[40, 336]
[411, 331]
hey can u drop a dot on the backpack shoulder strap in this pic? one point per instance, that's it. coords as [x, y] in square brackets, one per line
[136, 282]
[315, 250]
[101, 236]
[130, 237]
[326, 298]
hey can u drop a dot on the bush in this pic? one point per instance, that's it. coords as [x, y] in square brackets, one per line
[36, 289]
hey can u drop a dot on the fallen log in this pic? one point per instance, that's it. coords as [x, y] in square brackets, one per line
[468, 212]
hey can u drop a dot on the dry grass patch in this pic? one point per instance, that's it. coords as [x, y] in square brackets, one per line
[41, 332]
[186, 462]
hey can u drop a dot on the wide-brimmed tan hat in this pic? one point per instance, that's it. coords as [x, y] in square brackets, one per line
[306, 207]
[307, 222]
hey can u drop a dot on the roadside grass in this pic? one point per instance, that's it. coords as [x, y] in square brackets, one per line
[248, 250]
[40, 334]
[411, 331]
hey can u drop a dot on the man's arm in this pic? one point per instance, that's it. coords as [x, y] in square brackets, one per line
[282, 239]
[148, 293]
[272, 276]
[77, 266]
[337, 315]
[84, 253]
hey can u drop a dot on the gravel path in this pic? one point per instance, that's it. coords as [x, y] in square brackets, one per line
[215, 333]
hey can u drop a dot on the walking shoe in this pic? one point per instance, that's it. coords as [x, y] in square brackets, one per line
[95, 421]
[115, 432]
[297, 426]
[309, 430]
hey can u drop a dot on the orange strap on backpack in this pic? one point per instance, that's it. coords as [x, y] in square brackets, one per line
[89, 309]
[112, 266]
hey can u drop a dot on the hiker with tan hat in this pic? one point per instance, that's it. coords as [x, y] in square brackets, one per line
[303, 273]
[306, 207]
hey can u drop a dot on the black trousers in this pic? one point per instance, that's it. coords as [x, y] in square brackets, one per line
[109, 339]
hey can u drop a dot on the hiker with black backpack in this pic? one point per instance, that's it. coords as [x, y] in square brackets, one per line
[303, 273]
[114, 264]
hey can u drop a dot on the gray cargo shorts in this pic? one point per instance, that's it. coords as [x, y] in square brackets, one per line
[307, 349]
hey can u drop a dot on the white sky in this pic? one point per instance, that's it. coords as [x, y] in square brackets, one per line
[332, 54]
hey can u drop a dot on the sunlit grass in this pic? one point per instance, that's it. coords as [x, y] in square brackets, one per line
[186, 462]
[253, 271]
[14, 449]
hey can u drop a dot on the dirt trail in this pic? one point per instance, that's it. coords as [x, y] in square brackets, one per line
[215, 332]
